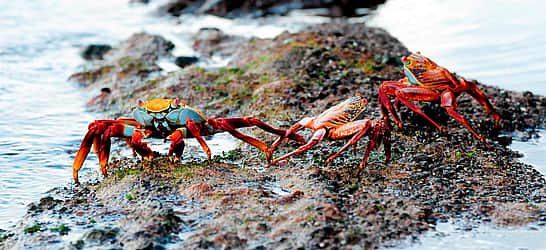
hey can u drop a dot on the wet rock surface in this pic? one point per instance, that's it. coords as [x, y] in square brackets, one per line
[95, 51]
[245, 8]
[235, 202]
[211, 41]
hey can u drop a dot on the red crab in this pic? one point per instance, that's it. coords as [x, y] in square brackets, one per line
[426, 81]
[165, 119]
[343, 121]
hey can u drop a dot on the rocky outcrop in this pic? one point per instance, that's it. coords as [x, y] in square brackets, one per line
[232, 9]
[128, 65]
[235, 202]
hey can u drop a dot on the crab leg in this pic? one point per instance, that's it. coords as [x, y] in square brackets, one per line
[85, 147]
[317, 137]
[379, 133]
[177, 143]
[92, 138]
[482, 99]
[374, 137]
[417, 93]
[450, 104]
[122, 130]
[292, 131]
[386, 89]
[251, 121]
[195, 131]
[231, 124]
[362, 125]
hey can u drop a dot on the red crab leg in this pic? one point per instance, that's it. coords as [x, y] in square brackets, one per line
[475, 92]
[231, 124]
[292, 131]
[362, 125]
[374, 137]
[379, 133]
[418, 93]
[91, 138]
[317, 137]
[195, 131]
[118, 130]
[84, 150]
[450, 104]
[386, 89]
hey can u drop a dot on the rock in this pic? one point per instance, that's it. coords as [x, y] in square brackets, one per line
[102, 234]
[143, 46]
[178, 7]
[125, 66]
[212, 41]
[45, 203]
[184, 61]
[239, 8]
[95, 51]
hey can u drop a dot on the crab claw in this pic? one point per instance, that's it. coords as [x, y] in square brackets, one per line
[177, 145]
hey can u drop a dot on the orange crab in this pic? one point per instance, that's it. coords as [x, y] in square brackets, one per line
[165, 119]
[426, 81]
[342, 121]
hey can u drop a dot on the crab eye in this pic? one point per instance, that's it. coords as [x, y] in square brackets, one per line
[175, 103]
[142, 117]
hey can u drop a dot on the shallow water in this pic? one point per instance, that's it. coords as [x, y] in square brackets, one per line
[448, 235]
[44, 119]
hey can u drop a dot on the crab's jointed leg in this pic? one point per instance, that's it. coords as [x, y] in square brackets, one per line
[417, 93]
[191, 130]
[231, 124]
[450, 104]
[177, 143]
[317, 137]
[377, 131]
[386, 89]
[292, 131]
[475, 92]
